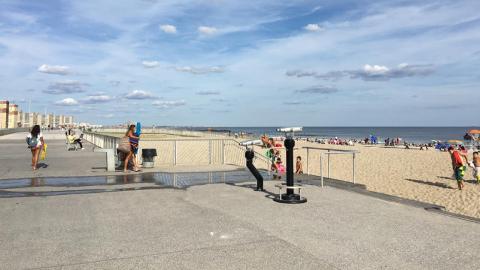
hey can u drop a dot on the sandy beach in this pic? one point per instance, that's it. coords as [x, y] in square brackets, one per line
[409, 173]
[424, 176]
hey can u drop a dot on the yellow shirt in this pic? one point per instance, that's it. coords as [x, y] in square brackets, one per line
[71, 138]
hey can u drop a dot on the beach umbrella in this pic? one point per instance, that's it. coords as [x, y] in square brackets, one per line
[474, 131]
[455, 142]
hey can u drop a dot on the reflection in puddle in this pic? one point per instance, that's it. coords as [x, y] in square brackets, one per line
[159, 180]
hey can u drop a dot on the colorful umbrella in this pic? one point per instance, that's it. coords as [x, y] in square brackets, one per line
[474, 131]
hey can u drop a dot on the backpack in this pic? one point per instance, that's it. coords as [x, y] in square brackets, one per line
[32, 141]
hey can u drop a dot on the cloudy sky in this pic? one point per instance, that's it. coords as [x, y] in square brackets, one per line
[245, 63]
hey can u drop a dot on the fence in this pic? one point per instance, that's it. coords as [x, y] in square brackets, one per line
[187, 151]
[174, 132]
[324, 156]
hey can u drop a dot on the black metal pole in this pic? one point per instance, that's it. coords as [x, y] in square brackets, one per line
[289, 144]
[249, 155]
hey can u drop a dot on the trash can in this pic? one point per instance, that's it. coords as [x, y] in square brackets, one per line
[148, 156]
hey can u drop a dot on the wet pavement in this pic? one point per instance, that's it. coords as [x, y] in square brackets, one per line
[94, 184]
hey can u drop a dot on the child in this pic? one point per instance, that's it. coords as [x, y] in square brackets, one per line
[299, 165]
[475, 164]
[458, 165]
[280, 168]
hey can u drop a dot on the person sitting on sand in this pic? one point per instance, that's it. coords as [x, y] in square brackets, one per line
[458, 165]
[299, 166]
[475, 164]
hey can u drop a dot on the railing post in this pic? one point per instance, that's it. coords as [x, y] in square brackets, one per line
[308, 171]
[321, 169]
[223, 152]
[209, 151]
[353, 163]
[175, 152]
[328, 164]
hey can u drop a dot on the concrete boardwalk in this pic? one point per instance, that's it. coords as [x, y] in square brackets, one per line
[15, 159]
[221, 226]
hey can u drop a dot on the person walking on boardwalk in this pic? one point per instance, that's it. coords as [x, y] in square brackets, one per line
[35, 142]
[133, 148]
[458, 165]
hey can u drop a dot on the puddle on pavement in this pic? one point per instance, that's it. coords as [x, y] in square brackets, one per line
[158, 180]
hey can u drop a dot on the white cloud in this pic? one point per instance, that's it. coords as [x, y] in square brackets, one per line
[67, 102]
[97, 99]
[139, 94]
[150, 64]
[207, 30]
[168, 28]
[375, 70]
[59, 70]
[201, 70]
[313, 27]
[165, 104]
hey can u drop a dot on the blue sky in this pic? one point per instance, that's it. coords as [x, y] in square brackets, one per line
[245, 63]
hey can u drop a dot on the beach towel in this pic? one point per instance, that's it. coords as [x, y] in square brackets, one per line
[138, 130]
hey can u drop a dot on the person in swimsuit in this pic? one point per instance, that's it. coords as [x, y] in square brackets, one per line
[133, 148]
[458, 165]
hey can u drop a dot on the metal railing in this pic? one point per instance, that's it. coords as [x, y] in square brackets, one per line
[167, 131]
[325, 154]
[187, 151]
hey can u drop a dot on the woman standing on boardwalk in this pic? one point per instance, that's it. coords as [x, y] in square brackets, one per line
[35, 143]
[133, 148]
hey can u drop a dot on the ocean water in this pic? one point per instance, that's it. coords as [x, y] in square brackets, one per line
[408, 134]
